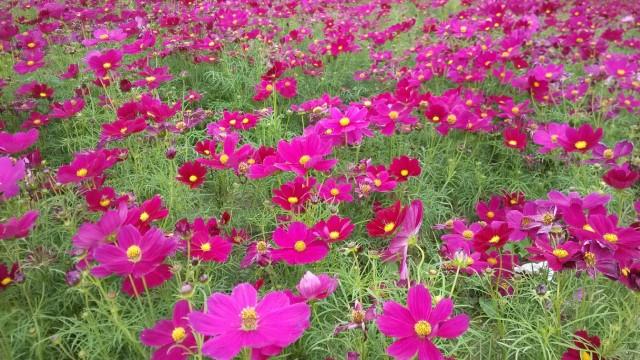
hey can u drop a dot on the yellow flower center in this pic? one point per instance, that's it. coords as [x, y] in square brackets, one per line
[548, 75]
[422, 328]
[404, 172]
[335, 192]
[37, 122]
[31, 45]
[82, 172]
[435, 119]
[585, 355]
[178, 334]
[608, 154]
[104, 37]
[587, 227]
[513, 142]
[625, 271]
[621, 72]
[105, 202]
[205, 247]
[548, 218]
[224, 158]
[389, 227]
[494, 239]
[580, 144]
[6, 281]
[554, 138]
[344, 121]
[232, 122]
[245, 121]
[193, 178]
[150, 78]
[304, 159]
[144, 216]
[106, 65]
[451, 119]
[134, 253]
[467, 234]
[300, 246]
[560, 253]
[610, 237]
[269, 88]
[492, 261]
[261, 246]
[249, 318]
[43, 94]
[334, 235]
[292, 200]
[491, 214]
[515, 110]
[377, 182]
[393, 115]
[30, 63]
[590, 258]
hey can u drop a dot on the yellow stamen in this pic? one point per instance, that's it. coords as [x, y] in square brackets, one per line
[422, 328]
[205, 247]
[467, 234]
[335, 192]
[344, 121]
[334, 235]
[610, 237]
[178, 334]
[193, 178]
[404, 172]
[82, 172]
[580, 144]
[224, 158]
[6, 281]
[304, 159]
[560, 253]
[249, 318]
[393, 115]
[300, 246]
[106, 65]
[105, 202]
[134, 253]
[494, 239]
[389, 227]
[144, 216]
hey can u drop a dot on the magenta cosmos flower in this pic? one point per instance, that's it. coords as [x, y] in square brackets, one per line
[10, 175]
[242, 320]
[133, 254]
[316, 287]
[298, 245]
[416, 325]
[173, 338]
[304, 153]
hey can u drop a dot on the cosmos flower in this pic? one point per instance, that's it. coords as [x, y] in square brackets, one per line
[334, 192]
[316, 287]
[10, 174]
[405, 236]
[133, 254]
[386, 221]
[297, 245]
[18, 227]
[582, 139]
[173, 338]
[242, 320]
[333, 229]
[493, 235]
[8, 276]
[621, 176]
[403, 167]
[304, 153]
[102, 62]
[210, 248]
[192, 173]
[17, 142]
[293, 195]
[414, 327]
[515, 139]
[287, 87]
[586, 347]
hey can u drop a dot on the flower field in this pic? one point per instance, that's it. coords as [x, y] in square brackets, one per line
[319, 179]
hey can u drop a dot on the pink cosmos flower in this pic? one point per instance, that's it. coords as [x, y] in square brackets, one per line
[173, 338]
[120, 129]
[405, 236]
[621, 176]
[557, 257]
[287, 87]
[293, 195]
[316, 287]
[297, 245]
[257, 252]
[333, 229]
[334, 192]
[18, 227]
[548, 137]
[35, 120]
[349, 127]
[71, 73]
[242, 320]
[105, 35]
[10, 174]
[30, 62]
[133, 254]
[416, 325]
[17, 142]
[152, 78]
[210, 248]
[85, 166]
[304, 153]
[230, 156]
[67, 108]
[263, 90]
[102, 62]
[582, 139]
[604, 154]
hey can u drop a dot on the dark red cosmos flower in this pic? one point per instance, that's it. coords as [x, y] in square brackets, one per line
[386, 220]
[192, 174]
[493, 235]
[103, 62]
[621, 176]
[287, 87]
[36, 90]
[515, 139]
[101, 199]
[121, 128]
[586, 347]
[7, 276]
[293, 195]
[150, 210]
[581, 139]
[402, 167]
[333, 229]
